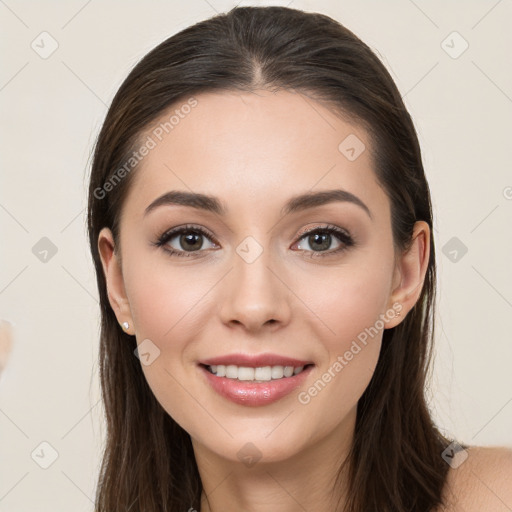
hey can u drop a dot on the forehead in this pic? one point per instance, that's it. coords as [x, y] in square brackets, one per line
[253, 150]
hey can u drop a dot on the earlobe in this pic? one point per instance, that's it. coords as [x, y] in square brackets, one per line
[410, 272]
[114, 277]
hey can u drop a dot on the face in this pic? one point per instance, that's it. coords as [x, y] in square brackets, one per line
[256, 284]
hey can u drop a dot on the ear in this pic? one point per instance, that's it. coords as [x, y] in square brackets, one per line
[409, 274]
[114, 278]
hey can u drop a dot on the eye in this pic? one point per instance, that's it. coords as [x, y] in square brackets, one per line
[185, 240]
[320, 240]
[189, 241]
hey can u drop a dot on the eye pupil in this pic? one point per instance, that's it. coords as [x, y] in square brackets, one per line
[323, 238]
[191, 240]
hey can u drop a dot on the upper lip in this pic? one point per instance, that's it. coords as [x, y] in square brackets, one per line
[255, 361]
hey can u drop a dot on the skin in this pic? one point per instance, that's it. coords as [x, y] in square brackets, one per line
[481, 482]
[254, 151]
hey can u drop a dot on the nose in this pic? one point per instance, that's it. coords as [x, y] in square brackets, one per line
[253, 296]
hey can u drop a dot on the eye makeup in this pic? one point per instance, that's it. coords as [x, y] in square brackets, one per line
[194, 232]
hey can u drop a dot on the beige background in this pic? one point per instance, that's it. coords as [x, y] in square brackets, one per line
[51, 110]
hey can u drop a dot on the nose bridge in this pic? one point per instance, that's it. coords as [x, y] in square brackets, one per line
[254, 296]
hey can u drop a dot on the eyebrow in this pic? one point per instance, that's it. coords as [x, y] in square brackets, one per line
[295, 204]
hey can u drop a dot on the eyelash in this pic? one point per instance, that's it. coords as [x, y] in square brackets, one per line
[342, 235]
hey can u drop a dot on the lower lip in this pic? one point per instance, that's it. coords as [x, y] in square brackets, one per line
[255, 393]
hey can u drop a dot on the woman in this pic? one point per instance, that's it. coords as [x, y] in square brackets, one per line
[261, 228]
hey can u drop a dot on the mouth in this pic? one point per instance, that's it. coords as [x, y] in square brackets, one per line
[254, 380]
[258, 374]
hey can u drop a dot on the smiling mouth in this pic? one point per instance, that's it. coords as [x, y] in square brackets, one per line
[255, 374]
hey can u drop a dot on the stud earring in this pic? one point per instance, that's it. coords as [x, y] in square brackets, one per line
[125, 325]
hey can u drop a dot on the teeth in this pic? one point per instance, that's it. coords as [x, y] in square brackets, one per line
[263, 373]
[259, 374]
[277, 372]
[288, 371]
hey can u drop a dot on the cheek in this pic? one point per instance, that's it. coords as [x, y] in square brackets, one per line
[346, 300]
[169, 308]
[163, 300]
[351, 306]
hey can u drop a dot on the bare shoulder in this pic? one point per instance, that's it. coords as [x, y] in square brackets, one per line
[483, 481]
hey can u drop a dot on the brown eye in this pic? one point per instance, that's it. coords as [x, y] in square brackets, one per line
[321, 240]
[191, 242]
[185, 241]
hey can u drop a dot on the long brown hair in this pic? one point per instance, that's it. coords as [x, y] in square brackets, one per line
[395, 461]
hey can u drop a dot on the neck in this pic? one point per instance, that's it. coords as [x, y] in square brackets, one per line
[304, 481]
